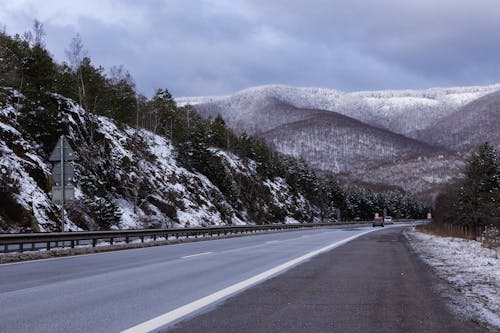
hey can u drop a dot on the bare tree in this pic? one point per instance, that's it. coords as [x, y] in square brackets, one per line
[39, 33]
[75, 54]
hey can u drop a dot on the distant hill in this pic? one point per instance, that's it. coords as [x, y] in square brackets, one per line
[355, 133]
[468, 126]
[331, 141]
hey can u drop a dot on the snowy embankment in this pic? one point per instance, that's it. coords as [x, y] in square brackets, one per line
[471, 269]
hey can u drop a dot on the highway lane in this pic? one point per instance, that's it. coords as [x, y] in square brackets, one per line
[111, 292]
[373, 284]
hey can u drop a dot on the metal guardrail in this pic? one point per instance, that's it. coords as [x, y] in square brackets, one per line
[31, 241]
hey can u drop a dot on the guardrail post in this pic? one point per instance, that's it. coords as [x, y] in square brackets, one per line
[127, 240]
[94, 242]
[111, 241]
[73, 244]
[5, 248]
[32, 246]
[21, 247]
[48, 246]
[142, 239]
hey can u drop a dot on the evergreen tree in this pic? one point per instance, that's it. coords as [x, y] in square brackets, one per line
[478, 195]
[220, 135]
[164, 115]
[104, 212]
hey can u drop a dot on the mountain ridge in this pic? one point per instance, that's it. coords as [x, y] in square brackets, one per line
[421, 117]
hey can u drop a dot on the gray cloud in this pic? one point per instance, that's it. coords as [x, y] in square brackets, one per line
[217, 47]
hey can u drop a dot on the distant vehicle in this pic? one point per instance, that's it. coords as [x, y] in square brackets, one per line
[388, 220]
[378, 221]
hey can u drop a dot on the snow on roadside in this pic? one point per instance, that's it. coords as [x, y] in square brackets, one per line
[472, 270]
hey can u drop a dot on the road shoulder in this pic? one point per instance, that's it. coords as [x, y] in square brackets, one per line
[469, 271]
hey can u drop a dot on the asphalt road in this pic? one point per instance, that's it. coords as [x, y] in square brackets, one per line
[114, 291]
[372, 284]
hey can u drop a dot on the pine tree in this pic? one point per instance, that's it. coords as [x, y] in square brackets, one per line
[478, 195]
[104, 212]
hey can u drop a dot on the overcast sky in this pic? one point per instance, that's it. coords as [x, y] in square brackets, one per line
[216, 47]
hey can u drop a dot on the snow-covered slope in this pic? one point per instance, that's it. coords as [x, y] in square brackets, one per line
[424, 175]
[330, 141]
[400, 111]
[475, 123]
[125, 178]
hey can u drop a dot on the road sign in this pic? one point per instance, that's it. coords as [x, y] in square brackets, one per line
[62, 174]
[57, 194]
[65, 150]
[69, 173]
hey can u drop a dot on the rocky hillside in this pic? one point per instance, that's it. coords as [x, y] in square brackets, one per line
[124, 177]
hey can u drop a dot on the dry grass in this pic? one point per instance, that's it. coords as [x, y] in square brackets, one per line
[490, 237]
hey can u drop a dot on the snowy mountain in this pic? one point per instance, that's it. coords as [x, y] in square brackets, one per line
[468, 126]
[331, 141]
[358, 133]
[125, 178]
[400, 111]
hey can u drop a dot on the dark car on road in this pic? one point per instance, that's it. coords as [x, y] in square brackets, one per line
[378, 222]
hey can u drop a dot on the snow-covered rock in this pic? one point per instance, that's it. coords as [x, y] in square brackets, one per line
[124, 178]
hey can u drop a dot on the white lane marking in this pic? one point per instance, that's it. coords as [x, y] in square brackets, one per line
[182, 311]
[196, 255]
[273, 242]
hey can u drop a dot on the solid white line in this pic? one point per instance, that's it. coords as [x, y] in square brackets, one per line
[196, 255]
[182, 311]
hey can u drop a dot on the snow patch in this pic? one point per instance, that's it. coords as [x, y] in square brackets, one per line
[469, 267]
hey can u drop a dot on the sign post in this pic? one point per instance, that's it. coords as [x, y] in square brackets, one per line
[62, 174]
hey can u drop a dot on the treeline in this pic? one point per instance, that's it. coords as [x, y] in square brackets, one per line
[473, 201]
[26, 66]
